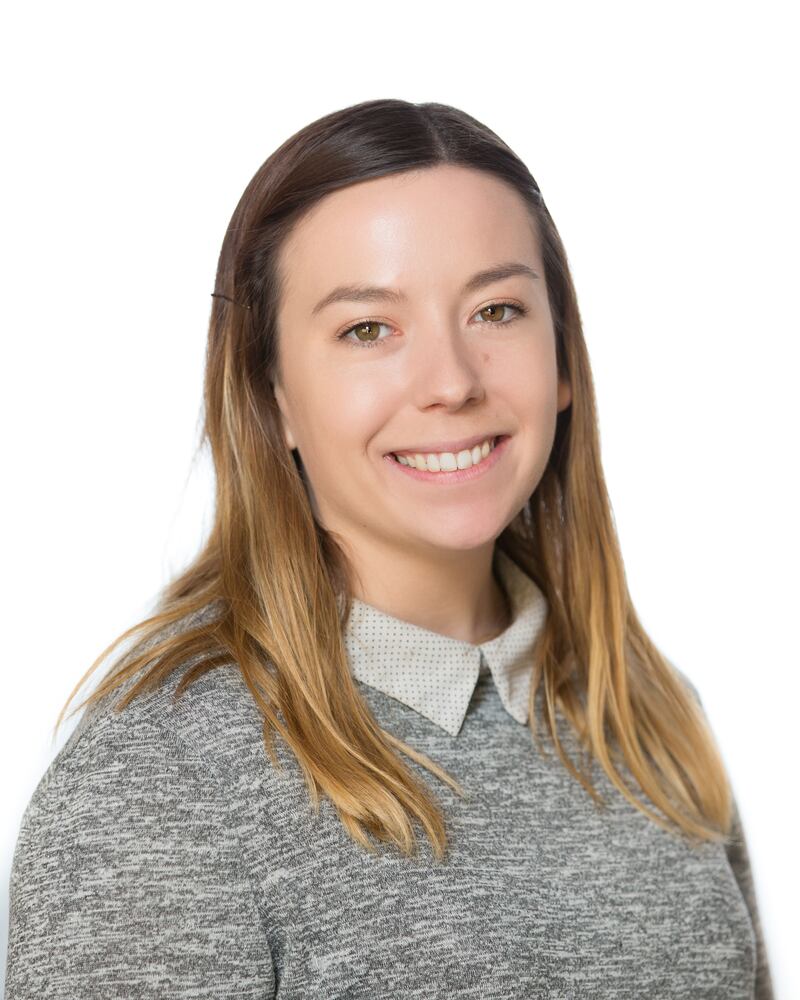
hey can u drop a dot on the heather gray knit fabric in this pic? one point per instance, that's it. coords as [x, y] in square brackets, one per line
[162, 856]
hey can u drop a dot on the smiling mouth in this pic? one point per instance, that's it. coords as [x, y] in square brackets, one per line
[449, 461]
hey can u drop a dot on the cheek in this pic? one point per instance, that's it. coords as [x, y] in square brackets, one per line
[531, 392]
[345, 413]
[528, 372]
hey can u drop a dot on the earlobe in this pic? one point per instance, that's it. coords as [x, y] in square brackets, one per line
[280, 399]
[564, 394]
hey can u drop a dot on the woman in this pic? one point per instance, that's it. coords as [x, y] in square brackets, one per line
[412, 575]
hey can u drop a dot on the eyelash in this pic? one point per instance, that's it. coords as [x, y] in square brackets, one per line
[358, 344]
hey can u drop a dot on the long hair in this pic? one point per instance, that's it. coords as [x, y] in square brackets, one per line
[278, 583]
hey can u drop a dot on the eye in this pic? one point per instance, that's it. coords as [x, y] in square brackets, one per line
[494, 309]
[365, 328]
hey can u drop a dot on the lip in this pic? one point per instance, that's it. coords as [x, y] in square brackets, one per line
[453, 446]
[459, 475]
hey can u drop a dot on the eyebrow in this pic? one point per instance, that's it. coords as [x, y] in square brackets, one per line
[373, 293]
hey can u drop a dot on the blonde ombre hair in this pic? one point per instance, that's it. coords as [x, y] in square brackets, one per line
[278, 582]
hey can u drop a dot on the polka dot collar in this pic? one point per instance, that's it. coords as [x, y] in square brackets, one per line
[436, 674]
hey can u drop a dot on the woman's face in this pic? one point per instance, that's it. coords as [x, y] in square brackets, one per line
[430, 365]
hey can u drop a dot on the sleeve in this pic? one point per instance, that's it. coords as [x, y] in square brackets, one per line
[739, 859]
[737, 851]
[126, 881]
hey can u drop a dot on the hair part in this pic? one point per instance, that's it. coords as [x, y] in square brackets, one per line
[269, 593]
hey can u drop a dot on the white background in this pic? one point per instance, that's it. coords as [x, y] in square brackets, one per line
[663, 141]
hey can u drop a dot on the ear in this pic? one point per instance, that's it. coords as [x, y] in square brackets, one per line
[564, 394]
[280, 398]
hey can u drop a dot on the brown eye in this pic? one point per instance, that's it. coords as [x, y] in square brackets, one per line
[496, 312]
[365, 334]
[369, 330]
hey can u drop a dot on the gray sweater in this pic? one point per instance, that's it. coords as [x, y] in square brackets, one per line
[162, 856]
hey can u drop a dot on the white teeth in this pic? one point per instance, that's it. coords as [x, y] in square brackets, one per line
[448, 461]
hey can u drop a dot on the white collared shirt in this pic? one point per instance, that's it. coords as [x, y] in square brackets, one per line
[436, 674]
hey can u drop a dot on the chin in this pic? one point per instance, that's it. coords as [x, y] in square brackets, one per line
[466, 540]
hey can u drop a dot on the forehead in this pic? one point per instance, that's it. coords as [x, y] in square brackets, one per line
[410, 230]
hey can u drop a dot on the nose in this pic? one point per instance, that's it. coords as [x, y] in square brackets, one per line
[446, 369]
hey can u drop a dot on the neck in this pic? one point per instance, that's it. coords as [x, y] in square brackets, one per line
[455, 594]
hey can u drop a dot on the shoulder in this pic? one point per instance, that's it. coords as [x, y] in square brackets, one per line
[115, 767]
[132, 828]
[153, 754]
[213, 719]
[144, 792]
[214, 723]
